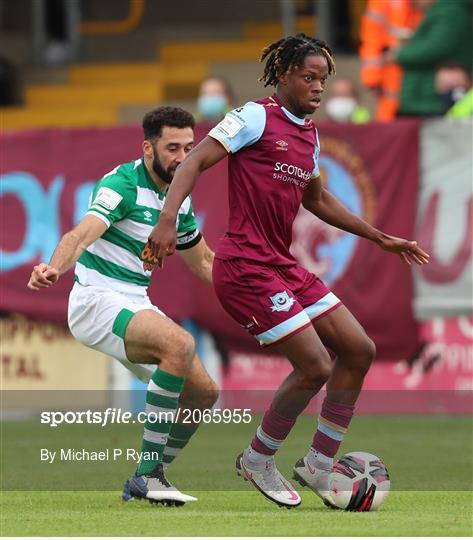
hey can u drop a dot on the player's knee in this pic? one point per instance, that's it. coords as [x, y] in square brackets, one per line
[366, 354]
[210, 396]
[322, 375]
[371, 349]
[180, 351]
[316, 374]
[186, 348]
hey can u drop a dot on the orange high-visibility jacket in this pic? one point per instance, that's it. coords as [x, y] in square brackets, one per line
[385, 24]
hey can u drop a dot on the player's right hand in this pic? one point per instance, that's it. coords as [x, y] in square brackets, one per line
[162, 239]
[42, 276]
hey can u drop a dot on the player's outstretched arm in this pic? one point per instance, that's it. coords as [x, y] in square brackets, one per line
[199, 260]
[67, 252]
[204, 155]
[325, 206]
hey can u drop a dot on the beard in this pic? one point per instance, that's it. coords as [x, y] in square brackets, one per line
[166, 175]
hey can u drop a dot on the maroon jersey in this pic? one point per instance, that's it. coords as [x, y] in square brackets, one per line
[273, 156]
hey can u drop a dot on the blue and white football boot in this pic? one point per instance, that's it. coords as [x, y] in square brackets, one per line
[154, 487]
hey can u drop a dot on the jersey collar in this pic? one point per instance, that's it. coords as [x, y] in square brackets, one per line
[292, 117]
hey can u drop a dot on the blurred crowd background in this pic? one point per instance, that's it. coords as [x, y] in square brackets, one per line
[77, 76]
[395, 57]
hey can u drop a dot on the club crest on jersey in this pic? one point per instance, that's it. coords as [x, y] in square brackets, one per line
[281, 145]
[281, 302]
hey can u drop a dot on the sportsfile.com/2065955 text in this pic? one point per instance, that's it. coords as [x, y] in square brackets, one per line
[113, 415]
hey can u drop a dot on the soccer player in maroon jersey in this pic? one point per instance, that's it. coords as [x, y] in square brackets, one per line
[273, 154]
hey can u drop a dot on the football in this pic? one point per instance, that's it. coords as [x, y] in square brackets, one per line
[359, 482]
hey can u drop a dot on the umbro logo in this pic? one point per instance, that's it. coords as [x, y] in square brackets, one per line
[281, 145]
[148, 215]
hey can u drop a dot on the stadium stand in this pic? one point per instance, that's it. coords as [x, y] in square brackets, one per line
[184, 76]
[103, 88]
[94, 94]
[271, 30]
[208, 51]
[28, 117]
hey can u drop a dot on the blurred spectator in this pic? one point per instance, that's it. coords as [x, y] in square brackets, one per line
[215, 99]
[385, 25]
[445, 35]
[57, 48]
[463, 109]
[10, 93]
[343, 103]
[452, 83]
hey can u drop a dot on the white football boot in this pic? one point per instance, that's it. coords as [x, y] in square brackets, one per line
[268, 480]
[315, 479]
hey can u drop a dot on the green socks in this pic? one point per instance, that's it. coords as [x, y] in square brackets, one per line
[178, 438]
[162, 400]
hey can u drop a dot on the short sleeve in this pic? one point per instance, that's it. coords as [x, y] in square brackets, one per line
[316, 170]
[188, 234]
[114, 197]
[241, 127]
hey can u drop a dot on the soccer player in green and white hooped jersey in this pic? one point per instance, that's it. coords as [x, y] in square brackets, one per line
[109, 309]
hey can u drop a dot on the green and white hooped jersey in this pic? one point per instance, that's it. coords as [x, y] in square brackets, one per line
[129, 203]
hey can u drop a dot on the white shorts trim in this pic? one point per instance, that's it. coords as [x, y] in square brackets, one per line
[322, 305]
[283, 329]
[297, 321]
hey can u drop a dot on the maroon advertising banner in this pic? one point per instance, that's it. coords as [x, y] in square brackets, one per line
[47, 177]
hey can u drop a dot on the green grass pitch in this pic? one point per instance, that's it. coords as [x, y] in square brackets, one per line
[429, 459]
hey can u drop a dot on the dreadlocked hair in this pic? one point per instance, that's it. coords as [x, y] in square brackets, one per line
[288, 53]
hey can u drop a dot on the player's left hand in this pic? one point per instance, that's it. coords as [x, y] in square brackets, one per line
[42, 277]
[408, 250]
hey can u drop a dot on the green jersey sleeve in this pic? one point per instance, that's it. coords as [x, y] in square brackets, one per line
[188, 234]
[113, 198]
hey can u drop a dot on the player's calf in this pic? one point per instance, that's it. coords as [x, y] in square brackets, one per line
[199, 394]
[201, 398]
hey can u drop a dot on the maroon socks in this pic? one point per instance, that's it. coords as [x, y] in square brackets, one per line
[334, 420]
[271, 433]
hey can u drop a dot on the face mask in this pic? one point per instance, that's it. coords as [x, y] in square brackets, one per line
[212, 106]
[450, 97]
[341, 108]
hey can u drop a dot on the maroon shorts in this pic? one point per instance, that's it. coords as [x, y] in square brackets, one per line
[271, 302]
